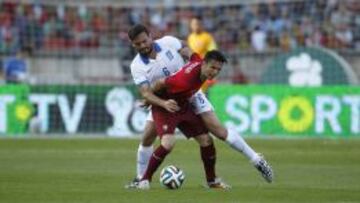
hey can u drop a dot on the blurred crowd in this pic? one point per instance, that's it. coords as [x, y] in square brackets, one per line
[243, 27]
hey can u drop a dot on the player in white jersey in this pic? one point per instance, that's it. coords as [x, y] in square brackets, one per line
[155, 60]
[158, 59]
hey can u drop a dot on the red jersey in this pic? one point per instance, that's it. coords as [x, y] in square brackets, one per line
[186, 82]
[181, 86]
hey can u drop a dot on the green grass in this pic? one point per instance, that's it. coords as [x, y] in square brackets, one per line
[95, 170]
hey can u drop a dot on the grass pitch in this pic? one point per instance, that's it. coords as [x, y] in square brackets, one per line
[96, 170]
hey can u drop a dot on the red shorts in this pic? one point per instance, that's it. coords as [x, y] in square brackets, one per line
[186, 120]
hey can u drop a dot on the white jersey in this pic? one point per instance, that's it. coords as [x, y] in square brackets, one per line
[168, 60]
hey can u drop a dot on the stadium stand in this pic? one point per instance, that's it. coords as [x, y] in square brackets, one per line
[74, 33]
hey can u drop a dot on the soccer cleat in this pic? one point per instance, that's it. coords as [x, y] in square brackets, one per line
[265, 169]
[143, 185]
[137, 184]
[133, 184]
[218, 184]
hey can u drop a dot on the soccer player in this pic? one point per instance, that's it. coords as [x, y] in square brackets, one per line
[180, 87]
[200, 41]
[158, 59]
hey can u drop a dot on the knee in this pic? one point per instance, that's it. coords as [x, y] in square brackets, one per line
[168, 141]
[205, 140]
[220, 133]
[223, 134]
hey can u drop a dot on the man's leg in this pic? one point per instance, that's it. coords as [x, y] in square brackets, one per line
[145, 148]
[144, 152]
[204, 109]
[208, 156]
[229, 136]
[167, 144]
[235, 141]
[156, 158]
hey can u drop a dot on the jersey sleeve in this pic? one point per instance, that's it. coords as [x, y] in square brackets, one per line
[138, 73]
[171, 41]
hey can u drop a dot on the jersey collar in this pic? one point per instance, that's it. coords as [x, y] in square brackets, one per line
[157, 49]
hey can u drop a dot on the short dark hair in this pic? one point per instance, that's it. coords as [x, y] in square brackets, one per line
[136, 30]
[215, 55]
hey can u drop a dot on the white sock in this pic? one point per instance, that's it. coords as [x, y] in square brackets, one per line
[143, 157]
[238, 143]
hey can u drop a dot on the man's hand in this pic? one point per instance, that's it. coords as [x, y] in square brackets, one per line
[171, 106]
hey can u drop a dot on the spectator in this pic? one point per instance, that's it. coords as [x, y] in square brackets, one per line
[272, 41]
[15, 68]
[243, 40]
[64, 26]
[286, 41]
[341, 16]
[345, 36]
[315, 38]
[258, 39]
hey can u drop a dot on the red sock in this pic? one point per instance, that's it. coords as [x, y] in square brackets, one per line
[208, 156]
[156, 159]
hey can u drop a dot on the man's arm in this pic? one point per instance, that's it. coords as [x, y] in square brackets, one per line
[185, 51]
[146, 92]
[158, 86]
[139, 75]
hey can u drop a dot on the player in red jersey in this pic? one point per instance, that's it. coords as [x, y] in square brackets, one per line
[188, 80]
[185, 119]
[184, 84]
[144, 78]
